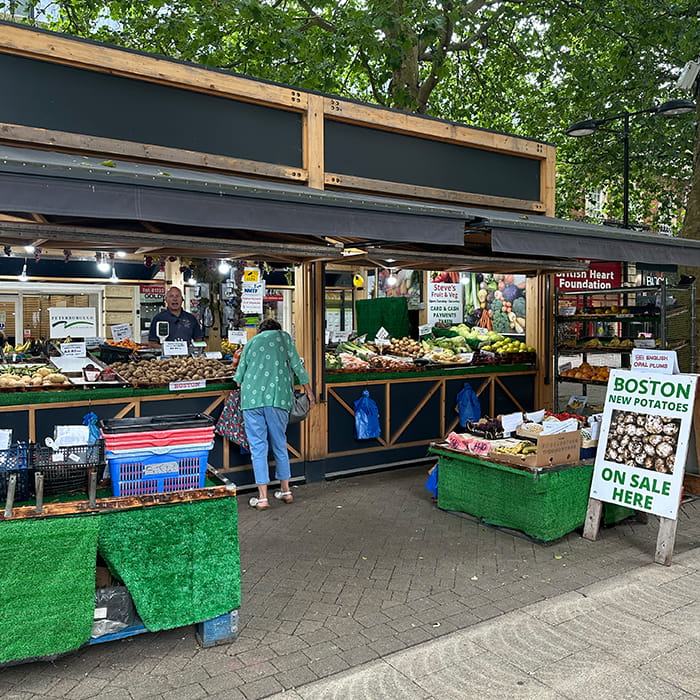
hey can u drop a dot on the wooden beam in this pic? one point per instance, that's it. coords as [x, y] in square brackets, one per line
[172, 242]
[55, 48]
[129, 150]
[437, 129]
[399, 189]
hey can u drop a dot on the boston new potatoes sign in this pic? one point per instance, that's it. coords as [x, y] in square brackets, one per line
[644, 441]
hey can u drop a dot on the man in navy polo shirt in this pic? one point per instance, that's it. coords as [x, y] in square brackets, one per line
[183, 325]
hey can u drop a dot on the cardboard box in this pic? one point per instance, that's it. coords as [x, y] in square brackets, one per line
[552, 451]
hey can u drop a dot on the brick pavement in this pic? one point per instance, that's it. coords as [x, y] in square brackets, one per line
[353, 571]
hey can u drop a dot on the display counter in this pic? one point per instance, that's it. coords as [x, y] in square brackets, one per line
[545, 503]
[415, 408]
[177, 555]
[32, 415]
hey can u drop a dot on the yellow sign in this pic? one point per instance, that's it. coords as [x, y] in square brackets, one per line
[251, 274]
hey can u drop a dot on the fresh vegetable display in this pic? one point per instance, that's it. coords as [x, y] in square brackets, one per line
[177, 369]
[21, 376]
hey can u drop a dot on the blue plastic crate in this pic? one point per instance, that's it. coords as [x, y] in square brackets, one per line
[176, 470]
[15, 460]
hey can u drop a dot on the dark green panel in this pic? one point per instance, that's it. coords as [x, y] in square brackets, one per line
[405, 396]
[520, 386]
[64, 98]
[341, 425]
[372, 153]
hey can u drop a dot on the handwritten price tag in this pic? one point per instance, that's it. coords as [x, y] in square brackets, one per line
[479, 447]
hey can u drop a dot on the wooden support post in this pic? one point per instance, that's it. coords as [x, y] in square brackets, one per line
[39, 486]
[92, 488]
[9, 501]
[665, 541]
[594, 515]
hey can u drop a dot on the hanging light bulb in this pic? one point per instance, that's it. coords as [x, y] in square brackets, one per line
[391, 280]
[23, 275]
[121, 254]
[102, 264]
[114, 277]
[29, 248]
[224, 267]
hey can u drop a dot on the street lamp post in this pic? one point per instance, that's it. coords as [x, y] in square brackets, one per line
[590, 126]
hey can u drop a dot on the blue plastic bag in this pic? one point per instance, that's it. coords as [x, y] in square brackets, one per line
[468, 405]
[432, 482]
[90, 419]
[366, 417]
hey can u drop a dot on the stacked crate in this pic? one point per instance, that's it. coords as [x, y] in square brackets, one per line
[157, 454]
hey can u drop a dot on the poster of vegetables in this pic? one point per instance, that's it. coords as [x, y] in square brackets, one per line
[491, 300]
[405, 283]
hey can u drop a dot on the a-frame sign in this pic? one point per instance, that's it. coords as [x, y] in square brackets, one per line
[648, 423]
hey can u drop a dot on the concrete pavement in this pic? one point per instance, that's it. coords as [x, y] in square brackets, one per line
[636, 635]
[366, 576]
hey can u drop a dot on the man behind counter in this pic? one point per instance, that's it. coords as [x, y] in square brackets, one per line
[183, 325]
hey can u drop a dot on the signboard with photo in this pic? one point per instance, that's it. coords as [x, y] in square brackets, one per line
[643, 441]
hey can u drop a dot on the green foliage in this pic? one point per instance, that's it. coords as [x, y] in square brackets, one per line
[524, 68]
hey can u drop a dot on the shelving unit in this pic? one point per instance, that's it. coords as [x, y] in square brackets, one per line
[667, 314]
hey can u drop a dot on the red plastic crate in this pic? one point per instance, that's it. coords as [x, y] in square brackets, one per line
[157, 438]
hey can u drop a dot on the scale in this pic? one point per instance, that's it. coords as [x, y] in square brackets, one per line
[162, 331]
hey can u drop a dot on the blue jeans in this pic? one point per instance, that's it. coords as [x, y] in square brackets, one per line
[267, 427]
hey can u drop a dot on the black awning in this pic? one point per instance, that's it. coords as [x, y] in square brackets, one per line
[589, 242]
[58, 184]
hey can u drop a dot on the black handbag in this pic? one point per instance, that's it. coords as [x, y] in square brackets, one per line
[300, 401]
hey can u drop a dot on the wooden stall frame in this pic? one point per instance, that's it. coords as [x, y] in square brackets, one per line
[315, 110]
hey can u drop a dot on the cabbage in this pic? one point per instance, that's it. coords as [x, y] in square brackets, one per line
[510, 292]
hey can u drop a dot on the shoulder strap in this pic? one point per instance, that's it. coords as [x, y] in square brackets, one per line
[286, 352]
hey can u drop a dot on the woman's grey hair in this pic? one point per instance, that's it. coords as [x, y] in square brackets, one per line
[269, 324]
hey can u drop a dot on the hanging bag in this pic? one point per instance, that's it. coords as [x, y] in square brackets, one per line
[468, 405]
[300, 401]
[366, 417]
[230, 424]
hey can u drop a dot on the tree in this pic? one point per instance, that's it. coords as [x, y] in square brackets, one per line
[524, 68]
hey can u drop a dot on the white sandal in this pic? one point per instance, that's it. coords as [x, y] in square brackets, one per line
[285, 496]
[258, 503]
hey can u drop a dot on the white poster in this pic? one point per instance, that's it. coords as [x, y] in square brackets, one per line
[252, 295]
[445, 301]
[73, 322]
[644, 441]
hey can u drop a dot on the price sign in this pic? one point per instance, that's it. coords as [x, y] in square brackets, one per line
[73, 349]
[215, 355]
[511, 422]
[175, 347]
[184, 386]
[121, 331]
[481, 331]
[382, 334]
[95, 342]
[328, 337]
[425, 329]
[382, 341]
[237, 337]
[648, 343]
[479, 447]
[341, 336]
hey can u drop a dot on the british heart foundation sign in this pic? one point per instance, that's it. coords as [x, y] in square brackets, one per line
[643, 441]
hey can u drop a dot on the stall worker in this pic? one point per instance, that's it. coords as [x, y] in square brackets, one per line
[183, 325]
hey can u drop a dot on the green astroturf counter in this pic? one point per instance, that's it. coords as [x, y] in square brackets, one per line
[545, 503]
[179, 561]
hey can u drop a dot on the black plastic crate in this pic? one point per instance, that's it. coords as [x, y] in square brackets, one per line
[115, 353]
[150, 423]
[67, 468]
[15, 460]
